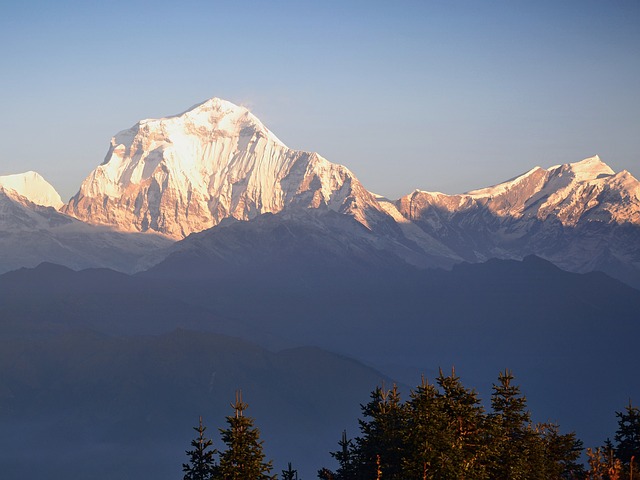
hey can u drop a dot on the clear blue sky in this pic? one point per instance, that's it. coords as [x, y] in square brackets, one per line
[438, 95]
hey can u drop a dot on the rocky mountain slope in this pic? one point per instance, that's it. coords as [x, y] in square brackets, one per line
[571, 194]
[31, 233]
[582, 216]
[184, 174]
[292, 241]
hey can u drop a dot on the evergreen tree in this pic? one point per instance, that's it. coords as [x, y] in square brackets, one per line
[289, 473]
[464, 449]
[425, 433]
[627, 436]
[522, 450]
[381, 446]
[561, 454]
[347, 459]
[201, 464]
[244, 458]
[514, 439]
[443, 432]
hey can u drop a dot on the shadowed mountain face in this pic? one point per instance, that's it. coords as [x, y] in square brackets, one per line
[303, 242]
[31, 234]
[569, 338]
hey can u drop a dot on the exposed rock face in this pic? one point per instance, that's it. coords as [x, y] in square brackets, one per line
[570, 194]
[185, 173]
[31, 234]
[582, 216]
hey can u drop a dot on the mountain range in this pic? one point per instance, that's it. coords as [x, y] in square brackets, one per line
[203, 255]
[165, 179]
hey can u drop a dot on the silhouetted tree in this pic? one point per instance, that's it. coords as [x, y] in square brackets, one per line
[522, 450]
[347, 459]
[627, 436]
[290, 473]
[201, 464]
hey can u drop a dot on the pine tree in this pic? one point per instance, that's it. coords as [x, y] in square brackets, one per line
[381, 446]
[426, 424]
[464, 445]
[289, 473]
[347, 459]
[561, 454]
[244, 458]
[514, 439]
[201, 464]
[444, 432]
[522, 450]
[627, 436]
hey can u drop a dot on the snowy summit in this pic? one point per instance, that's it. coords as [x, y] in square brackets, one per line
[33, 187]
[185, 173]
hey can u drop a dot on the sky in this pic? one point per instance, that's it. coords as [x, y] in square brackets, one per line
[441, 95]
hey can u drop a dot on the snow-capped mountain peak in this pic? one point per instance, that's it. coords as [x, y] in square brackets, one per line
[214, 117]
[33, 187]
[590, 168]
[580, 215]
[507, 186]
[185, 173]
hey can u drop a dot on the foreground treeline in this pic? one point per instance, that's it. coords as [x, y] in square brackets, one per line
[441, 432]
